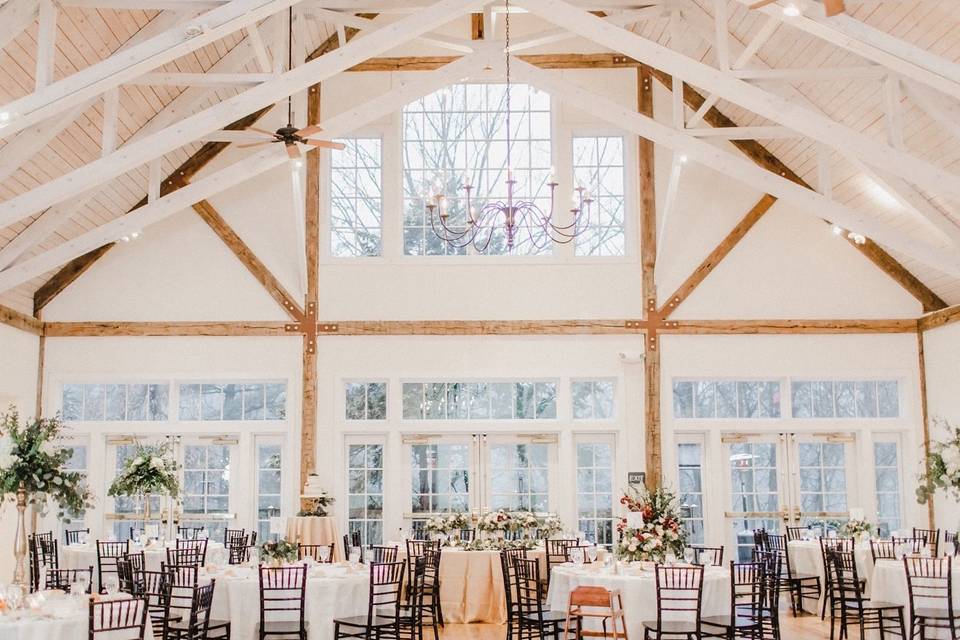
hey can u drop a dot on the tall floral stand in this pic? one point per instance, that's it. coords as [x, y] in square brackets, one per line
[20, 540]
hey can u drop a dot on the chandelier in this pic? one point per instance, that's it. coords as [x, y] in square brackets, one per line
[513, 217]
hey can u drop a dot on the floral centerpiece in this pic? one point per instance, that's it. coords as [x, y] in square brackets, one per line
[150, 471]
[660, 531]
[279, 552]
[31, 472]
[856, 528]
[496, 522]
[494, 544]
[524, 521]
[446, 524]
[943, 466]
[550, 525]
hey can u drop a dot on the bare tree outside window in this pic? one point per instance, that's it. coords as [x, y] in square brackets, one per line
[356, 198]
[459, 133]
[598, 166]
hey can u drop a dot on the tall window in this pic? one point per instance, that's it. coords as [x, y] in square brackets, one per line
[595, 491]
[823, 477]
[440, 479]
[519, 477]
[365, 491]
[460, 133]
[77, 462]
[206, 486]
[269, 486]
[356, 198]
[598, 166]
[129, 505]
[690, 486]
[887, 470]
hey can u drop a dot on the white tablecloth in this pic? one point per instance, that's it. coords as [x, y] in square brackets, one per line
[81, 556]
[806, 558]
[639, 591]
[471, 584]
[236, 597]
[62, 621]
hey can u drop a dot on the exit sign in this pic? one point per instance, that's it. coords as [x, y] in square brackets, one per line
[635, 478]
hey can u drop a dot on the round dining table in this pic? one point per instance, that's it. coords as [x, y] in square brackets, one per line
[81, 556]
[806, 558]
[333, 591]
[59, 617]
[638, 589]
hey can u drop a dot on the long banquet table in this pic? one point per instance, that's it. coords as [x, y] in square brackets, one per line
[638, 588]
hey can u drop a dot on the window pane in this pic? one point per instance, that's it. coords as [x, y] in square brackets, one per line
[356, 198]
[598, 167]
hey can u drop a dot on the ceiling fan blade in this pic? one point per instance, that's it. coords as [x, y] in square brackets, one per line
[254, 144]
[309, 130]
[272, 134]
[326, 144]
[293, 151]
[833, 7]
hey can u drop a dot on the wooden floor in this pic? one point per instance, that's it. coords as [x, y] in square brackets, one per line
[807, 627]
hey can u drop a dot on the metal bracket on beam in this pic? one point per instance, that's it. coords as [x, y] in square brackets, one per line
[293, 327]
[328, 328]
[633, 324]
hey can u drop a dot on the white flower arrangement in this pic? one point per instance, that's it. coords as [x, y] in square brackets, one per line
[943, 466]
[500, 520]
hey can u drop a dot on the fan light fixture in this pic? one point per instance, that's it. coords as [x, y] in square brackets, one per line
[510, 216]
[791, 10]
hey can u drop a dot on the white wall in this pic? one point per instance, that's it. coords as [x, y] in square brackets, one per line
[942, 355]
[19, 352]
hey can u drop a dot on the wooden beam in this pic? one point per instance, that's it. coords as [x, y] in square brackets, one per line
[764, 158]
[67, 274]
[717, 255]
[741, 327]
[476, 26]
[925, 416]
[41, 356]
[479, 327]
[653, 455]
[542, 60]
[21, 321]
[140, 329]
[940, 318]
[248, 258]
[833, 7]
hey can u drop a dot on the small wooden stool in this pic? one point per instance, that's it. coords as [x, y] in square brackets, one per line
[596, 602]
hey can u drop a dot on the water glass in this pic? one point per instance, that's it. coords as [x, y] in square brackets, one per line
[82, 537]
[577, 556]
[324, 554]
[689, 555]
[354, 557]
[111, 584]
[592, 553]
[671, 558]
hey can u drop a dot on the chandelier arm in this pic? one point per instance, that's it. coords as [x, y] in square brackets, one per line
[448, 234]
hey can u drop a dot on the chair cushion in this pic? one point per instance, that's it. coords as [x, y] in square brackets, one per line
[361, 621]
[282, 626]
[678, 626]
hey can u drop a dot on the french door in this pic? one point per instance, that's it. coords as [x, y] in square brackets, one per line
[207, 483]
[774, 480]
[480, 472]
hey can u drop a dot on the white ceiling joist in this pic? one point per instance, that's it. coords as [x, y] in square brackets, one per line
[234, 174]
[202, 79]
[744, 133]
[15, 17]
[736, 166]
[872, 44]
[944, 111]
[125, 66]
[670, 199]
[809, 122]
[218, 116]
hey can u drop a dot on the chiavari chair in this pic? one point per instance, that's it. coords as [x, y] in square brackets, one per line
[43, 556]
[315, 551]
[827, 545]
[795, 533]
[117, 619]
[418, 530]
[746, 604]
[679, 595]
[63, 579]
[384, 597]
[533, 620]
[712, 556]
[412, 615]
[468, 534]
[181, 575]
[846, 597]
[930, 537]
[578, 549]
[772, 572]
[187, 613]
[799, 585]
[507, 570]
[188, 552]
[760, 541]
[155, 593]
[930, 587]
[229, 535]
[72, 536]
[383, 554]
[238, 549]
[416, 549]
[108, 552]
[557, 552]
[283, 592]
[189, 533]
[951, 541]
[125, 575]
[883, 550]
[916, 544]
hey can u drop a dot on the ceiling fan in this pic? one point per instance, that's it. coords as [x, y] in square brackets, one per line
[830, 7]
[289, 135]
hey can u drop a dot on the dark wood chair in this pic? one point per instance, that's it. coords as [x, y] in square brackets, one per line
[916, 544]
[229, 535]
[413, 615]
[238, 548]
[189, 533]
[72, 536]
[557, 552]
[930, 587]
[43, 554]
[63, 579]
[187, 614]
[116, 619]
[385, 595]
[181, 575]
[533, 620]
[315, 551]
[883, 550]
[352, 539]
[108, 552]
[707, 556]
[795, 533]
[679, 594]
[282, 589]
[468, 535]
[507, 571]
[951, 541]
[188, 552]
[126, 576]
[827, 545]
[930, 537]
[846, 597]
[760, 540]
[799, 585]
[770, 614]
[746, 604]
[154, 591]
[383, 554]
[417, 549]
[418, 530]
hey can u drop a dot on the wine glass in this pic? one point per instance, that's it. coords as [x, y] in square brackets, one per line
[354, 557]
[324, 554]
[111, 584]
[14, 596]
[577, 556]
[689, 555]
[82, 537]
[671, 558]
[84, 580]
[592, 553]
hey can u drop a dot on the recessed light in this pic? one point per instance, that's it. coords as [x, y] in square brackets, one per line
[791, 10]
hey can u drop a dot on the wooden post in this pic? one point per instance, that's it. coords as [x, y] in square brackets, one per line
[925, 416]
[308, 424]
[476, 26]
[40, 357]
[648, 261]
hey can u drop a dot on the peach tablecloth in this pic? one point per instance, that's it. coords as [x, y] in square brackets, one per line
[316, 530]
